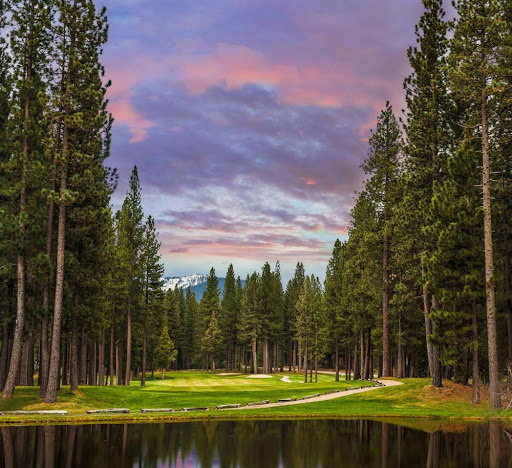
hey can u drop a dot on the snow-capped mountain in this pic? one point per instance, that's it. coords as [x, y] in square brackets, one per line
[183, 282]
[197, 284]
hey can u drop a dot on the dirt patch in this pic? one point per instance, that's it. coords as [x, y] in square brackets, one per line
[450, 391]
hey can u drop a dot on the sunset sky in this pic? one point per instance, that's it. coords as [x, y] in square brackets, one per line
[249, 119]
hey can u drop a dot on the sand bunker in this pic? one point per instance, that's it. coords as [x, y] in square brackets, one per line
[230, 373]
[286, 379]
[259, 376]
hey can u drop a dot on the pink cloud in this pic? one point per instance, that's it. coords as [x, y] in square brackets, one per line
[124, 113]
[126, 75]
[332, 84]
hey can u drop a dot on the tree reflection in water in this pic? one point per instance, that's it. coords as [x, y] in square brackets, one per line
[250, 444]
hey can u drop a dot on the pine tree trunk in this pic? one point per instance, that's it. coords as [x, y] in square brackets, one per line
[94, 356]
[305, 362]
[294, 358]
[254, 356]
[428, 326]
[348, 371]
[437, 372]
[65, 364]
[128, 346]
[118, 367]
[4, 356]
[83, 359]
[508, 300]
[386, 350]
[143, 378]
[120, 374]
[299, 358]
[45, 357]
[101, 361]
[337, 360]
[265, 356]
[357, 373]
[399, 370]
[494, 380]
[367, 357]
[73, 370]
[111, 357]
[21, 267]
[361, 357]
[289, 356]
[276, 354]
[25, 356]
[53, 372]
[20, 321]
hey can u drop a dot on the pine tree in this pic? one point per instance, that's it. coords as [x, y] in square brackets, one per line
[268, 311]
[6, 249]
[189, 328]
[250, 318]
[318, 321]
[29, 45]
[428, 122]
[290, 300]
[361, 297]
[277, 325]
[478, 78]
[456, 263]
[81, 116]
[382, 166]
[212, 340]
[131, 237]
[152, 284]
[165, 352]
[303, 323]
[210, 302]
[174, 319]
[229, 317]
[333, 303]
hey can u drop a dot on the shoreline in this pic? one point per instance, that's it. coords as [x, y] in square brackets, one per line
[231, 415]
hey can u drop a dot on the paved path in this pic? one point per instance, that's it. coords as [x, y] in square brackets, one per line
[331, 396]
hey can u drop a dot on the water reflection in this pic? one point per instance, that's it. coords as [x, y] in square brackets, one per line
[249, 444]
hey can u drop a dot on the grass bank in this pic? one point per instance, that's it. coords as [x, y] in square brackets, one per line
[415, 399]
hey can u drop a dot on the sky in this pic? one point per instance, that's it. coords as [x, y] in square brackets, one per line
[249, 120]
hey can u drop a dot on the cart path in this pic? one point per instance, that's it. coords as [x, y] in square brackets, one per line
[331, 396]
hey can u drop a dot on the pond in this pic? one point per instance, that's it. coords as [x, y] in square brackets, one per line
[247, 444]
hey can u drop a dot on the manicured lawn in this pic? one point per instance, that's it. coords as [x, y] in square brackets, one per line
[177, 390]
[416, 398]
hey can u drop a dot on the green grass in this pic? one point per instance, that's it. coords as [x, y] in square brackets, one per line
[186, 389]
[177, 390]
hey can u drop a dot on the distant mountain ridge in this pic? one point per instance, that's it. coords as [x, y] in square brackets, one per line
[196, 282]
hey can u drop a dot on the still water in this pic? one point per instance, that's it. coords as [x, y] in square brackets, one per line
[250, 444]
